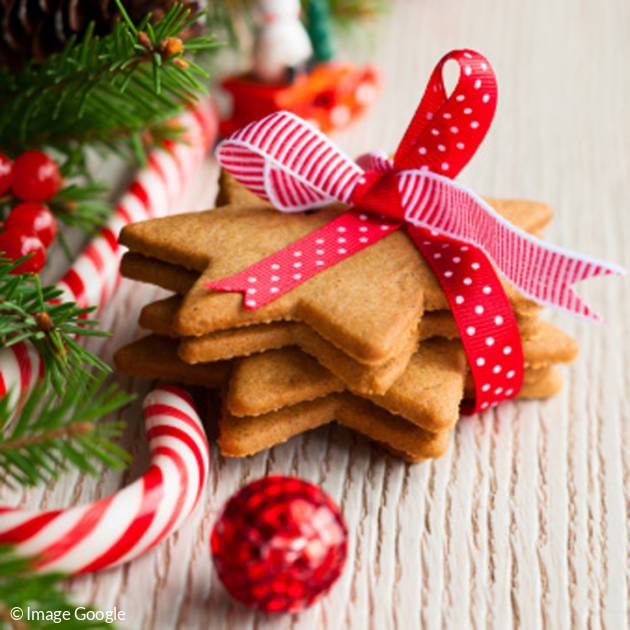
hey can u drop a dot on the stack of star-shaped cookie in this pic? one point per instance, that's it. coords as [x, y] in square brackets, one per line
[368, 343]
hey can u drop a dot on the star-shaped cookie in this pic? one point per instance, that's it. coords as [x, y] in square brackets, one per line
[246, 340]
[428, 393]
[362, 305]
[276, 395]
[296, 395]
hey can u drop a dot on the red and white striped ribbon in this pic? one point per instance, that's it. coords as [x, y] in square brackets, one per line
[93, 277]
[123, 526]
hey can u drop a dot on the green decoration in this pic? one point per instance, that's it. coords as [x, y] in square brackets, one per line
[319, 28]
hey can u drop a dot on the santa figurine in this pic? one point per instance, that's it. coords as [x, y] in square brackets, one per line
[282, 47]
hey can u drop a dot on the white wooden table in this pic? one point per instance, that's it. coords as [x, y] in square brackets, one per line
[525, 521]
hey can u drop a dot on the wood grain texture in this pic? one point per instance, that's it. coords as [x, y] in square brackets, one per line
[524, 523]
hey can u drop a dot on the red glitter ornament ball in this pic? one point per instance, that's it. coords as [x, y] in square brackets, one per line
[279, 544]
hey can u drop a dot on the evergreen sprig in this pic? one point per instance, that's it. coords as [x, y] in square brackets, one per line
[106, 91]
[81, 205]
[39, 598]
[54, 430]
[32, 312]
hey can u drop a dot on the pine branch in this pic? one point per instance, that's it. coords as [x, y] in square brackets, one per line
[82, 206]
[38, 597]
[53, 431]
[105, 91]
[30, 312]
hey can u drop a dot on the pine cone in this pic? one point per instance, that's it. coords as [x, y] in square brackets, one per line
[33, 29]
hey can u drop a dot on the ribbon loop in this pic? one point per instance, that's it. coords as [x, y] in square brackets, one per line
[446, 131]
[285, 160]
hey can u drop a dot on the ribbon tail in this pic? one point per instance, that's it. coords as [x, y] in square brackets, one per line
[539, 270]
[567, 269]
[546, 273]
[288, 268]
[487, 326]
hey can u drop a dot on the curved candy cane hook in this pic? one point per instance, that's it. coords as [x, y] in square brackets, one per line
[123, 526]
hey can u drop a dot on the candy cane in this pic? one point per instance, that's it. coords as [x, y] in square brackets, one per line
[125, 525]
[121, 527]
[93, 277]
[20, 368]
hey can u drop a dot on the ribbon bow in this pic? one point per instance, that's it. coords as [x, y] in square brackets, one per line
[286, 161]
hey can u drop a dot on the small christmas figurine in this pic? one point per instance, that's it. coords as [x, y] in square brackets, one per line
[294, 69]
[282, 47]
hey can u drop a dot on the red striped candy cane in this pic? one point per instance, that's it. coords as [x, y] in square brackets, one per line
[94, 276]
[127, 524]
[20, 368]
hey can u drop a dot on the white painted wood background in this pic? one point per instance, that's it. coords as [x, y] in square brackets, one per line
[525, 522]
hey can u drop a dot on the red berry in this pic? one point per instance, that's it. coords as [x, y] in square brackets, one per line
[279, 544]
[6, 169]
[36, 177]
[14, 244]
[35, 218]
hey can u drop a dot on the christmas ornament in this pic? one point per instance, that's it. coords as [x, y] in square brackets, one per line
[93, 277]
[36, 177]
[33, 218]
[6, 170]
[135, 519]
[282, 46]
[279, 544]
[318, 24]
[463, 239]
[330, 96]
[34, 30]
[15, 244]
[327, 93]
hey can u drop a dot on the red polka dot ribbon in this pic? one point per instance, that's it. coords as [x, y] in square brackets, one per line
[286, 161]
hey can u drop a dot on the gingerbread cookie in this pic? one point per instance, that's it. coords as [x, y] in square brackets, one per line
[240, 437]
[428, 393]
[247, 340]
[152, 271]
[155, 357]
[362, 305]
[286, 393]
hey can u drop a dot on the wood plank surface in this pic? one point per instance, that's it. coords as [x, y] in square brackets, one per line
[524, 523]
